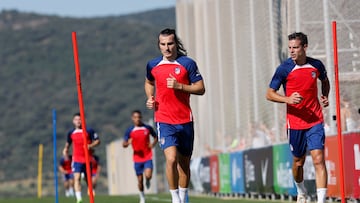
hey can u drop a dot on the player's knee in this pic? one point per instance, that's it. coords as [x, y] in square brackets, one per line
[171, 161]
[319, 162]
[299, 161]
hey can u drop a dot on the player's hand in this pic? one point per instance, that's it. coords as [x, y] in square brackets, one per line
[295, 98]
[151, 145]
[150, 103]
[324, 101]
[171, 82]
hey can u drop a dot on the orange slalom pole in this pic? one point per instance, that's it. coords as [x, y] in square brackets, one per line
[338, 115]
[82, 115]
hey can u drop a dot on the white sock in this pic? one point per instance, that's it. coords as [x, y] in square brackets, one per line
[71, 191]
[142, 195]
[321, 195]
[300, 188]
[175, 196]
[78, 195]
[183, 194]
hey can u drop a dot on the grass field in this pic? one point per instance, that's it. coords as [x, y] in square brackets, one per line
[133, 199]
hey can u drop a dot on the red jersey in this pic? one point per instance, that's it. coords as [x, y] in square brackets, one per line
[75, 137]
[172, 106]
[301, 79]
[140, 136]
[66, 164]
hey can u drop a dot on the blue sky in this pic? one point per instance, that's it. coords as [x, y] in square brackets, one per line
[85, 8]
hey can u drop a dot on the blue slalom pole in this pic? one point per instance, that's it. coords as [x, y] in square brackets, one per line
[55, 161]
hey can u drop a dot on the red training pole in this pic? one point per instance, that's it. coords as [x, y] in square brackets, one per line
[82, 115]
[338, 116]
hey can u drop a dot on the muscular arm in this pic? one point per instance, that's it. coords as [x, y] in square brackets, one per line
[94, 143]
[197, 88]
[155, 141]
[325, 88]
[272, 95]
[66, 149]
[126, 143]
[149, 91]
[61, 169]
[149, 88]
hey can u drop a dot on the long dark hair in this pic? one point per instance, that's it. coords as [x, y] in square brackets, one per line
[179, 46]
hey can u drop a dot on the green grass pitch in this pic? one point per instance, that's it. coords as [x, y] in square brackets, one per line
[133, 199]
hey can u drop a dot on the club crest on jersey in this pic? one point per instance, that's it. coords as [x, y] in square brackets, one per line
[177, 70]
[313, 74]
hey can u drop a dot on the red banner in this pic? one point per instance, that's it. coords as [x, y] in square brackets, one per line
[351, 153]
[214, 174]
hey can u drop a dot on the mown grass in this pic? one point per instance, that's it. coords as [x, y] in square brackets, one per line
[133, 199]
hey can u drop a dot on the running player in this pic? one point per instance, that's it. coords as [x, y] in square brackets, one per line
[68, 176]
[298, 75]
[138, 135]
[75, 137]
[175, 77]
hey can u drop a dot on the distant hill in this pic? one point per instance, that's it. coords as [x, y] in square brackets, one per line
[37, 75]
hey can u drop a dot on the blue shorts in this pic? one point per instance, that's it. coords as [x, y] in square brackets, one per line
[307, 139]
[141, 166]
[78, 167]
[179, 135]
[68, 176]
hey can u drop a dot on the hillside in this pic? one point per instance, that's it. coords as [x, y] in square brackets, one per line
[37, 75]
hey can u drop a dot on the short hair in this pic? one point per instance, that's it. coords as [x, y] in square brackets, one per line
[136, 111]
[76, 114]
[179, 46]
[300, 36]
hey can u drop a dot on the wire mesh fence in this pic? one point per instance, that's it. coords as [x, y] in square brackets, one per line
[239, 44]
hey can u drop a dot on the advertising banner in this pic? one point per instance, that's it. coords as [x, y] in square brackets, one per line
[237, 177]
[214, 174]
[283, 178]
[258, 165]
[332, 166]
[224, 171]
[352, 164]
[351, 143]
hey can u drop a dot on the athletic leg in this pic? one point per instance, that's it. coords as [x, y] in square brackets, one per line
[77, 186]
[298, 145]
[172, 172]
[320, 174]
[148, 176]
[184, 176]
[140, 180]
[316, 141]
